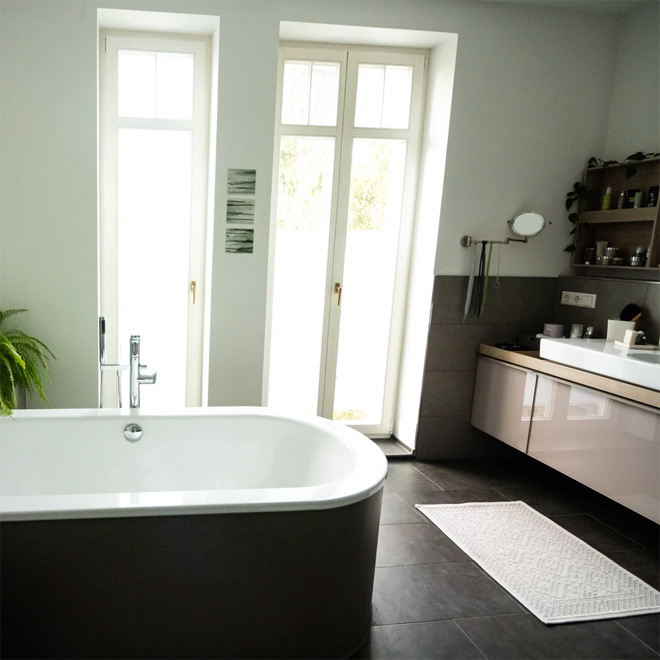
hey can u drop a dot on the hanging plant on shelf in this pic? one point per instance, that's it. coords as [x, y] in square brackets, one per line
[22, 358]
[578, 195]
[632, 161]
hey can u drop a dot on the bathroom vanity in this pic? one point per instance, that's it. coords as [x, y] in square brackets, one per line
[600, 431]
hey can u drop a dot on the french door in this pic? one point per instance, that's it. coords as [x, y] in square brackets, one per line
[154, 118]
[347, 145]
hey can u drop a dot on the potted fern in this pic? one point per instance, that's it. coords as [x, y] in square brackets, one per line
[22, 358]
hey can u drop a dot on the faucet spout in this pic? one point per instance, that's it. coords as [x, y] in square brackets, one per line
[136, 377]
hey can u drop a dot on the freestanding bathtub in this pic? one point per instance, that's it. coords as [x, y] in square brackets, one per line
[221, 533]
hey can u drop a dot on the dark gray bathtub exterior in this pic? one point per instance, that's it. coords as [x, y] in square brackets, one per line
[293, 584]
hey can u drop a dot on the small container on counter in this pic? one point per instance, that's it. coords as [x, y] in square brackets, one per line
[576, 331]
[553, 330]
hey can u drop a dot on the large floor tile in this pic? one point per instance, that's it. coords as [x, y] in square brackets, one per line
[595, 533]
[626, 522]
[452, 496]
[395, 510]
[645, 564]
[548, 501]
[464, 474]
[524, 636]
[404, 476]
[408, 544]
[431, 592]
[645, 628]
[435, 640]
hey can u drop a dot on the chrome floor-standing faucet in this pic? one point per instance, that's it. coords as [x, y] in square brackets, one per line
[138, 379]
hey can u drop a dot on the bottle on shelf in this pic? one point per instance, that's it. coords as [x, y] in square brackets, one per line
[607, 198]
[622, 200]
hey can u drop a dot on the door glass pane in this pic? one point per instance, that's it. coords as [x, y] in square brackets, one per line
[324, 94]
[383, 96]
[396, 96]
[369, 101]
[376, 192]
[153, 225]
[295, 92]
[310, 93]
[301, 251]
[136, 83]
[174, 86]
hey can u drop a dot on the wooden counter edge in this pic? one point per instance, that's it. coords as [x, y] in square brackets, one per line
[531, 360]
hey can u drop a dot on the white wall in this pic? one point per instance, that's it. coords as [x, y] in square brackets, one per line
[439, 91]
[635, 116]
[531, 102]
[48, 212]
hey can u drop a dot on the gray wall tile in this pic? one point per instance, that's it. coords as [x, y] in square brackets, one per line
[612, 297]
[447, 393]
[450, 437]
[449, 293]
[538, 303]
[452, 345]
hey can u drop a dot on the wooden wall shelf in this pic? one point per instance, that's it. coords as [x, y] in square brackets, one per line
[626, 229]
[646, 214]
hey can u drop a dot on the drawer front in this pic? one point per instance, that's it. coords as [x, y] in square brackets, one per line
[502, 401]
[604, 442]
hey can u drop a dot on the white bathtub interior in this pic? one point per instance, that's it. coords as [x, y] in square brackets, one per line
[67, 461]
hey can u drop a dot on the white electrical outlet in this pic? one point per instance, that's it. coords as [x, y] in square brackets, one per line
[578, 299]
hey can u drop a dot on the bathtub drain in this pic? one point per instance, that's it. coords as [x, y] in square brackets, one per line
[133, 432]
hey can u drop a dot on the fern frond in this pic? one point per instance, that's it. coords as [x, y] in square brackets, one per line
[6, 313]
[7, 387]
[22, 359]
[25, 344]
[33, 378]
[8, 350]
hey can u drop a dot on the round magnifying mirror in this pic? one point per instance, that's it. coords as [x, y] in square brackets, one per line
[527, 224]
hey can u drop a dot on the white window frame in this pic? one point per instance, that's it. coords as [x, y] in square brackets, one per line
[344, 134]
[200, 47]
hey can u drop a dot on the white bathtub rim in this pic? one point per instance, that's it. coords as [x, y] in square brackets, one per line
[365, 479]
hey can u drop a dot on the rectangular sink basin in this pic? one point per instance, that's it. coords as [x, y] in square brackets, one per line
[639, 367]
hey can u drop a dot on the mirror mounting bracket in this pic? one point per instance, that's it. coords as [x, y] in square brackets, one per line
[525, 225]
[467, 241]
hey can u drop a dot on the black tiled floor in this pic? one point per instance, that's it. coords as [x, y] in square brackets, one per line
[471, 615]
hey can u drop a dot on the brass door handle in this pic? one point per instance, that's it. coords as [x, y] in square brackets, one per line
[338, 292]
[193, 288]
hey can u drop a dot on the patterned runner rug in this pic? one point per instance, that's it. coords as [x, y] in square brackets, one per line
[555, 575]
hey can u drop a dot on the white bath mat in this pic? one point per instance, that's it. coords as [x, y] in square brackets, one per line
[555, 575]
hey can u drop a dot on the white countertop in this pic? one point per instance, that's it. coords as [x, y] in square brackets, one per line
[631, 365]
